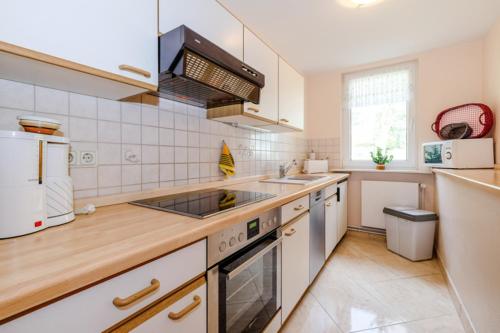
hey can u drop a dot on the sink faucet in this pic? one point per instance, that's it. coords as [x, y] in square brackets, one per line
[285, 167]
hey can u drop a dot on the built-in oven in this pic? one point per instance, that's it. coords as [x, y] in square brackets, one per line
[244, 282]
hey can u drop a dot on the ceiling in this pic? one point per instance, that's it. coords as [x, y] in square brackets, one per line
[319, 35]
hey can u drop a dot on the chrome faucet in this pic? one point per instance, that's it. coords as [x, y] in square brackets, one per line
[284, 168]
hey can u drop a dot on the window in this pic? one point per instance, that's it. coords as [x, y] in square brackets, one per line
[379, 112]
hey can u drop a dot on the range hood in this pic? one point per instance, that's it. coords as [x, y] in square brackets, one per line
[193, 70]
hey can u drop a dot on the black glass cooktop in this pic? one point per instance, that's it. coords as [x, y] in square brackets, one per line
[202, 204]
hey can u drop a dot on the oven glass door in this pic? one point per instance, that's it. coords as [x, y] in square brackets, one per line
[249, 288]
[433, 154]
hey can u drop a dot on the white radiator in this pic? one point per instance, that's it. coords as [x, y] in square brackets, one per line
[376, 195]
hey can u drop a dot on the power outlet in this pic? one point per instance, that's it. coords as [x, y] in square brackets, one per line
[73, 158]
[88, 158]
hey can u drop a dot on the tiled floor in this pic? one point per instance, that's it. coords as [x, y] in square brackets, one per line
[365, 288]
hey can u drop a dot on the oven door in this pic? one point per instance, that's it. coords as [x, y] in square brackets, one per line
[250, 286]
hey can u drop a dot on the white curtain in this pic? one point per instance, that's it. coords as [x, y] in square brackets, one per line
[393, 84]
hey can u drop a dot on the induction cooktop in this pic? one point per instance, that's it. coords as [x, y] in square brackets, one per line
[203, 204]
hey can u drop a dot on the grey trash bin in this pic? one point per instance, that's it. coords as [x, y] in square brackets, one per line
[410, 232]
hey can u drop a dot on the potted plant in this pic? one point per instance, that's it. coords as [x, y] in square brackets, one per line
[381, 158]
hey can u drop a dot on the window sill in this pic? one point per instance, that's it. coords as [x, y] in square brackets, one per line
[429, 171]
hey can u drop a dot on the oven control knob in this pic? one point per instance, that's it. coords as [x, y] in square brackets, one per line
[222, 246]
[232, 241]
[241, 237]
[447, 155]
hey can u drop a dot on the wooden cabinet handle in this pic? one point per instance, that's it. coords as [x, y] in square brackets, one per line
[253, 109]
[291, 232]
[136, 70]
[283, 120]
[121, 302]
[186, 310]
[328, 204]
[299, 207]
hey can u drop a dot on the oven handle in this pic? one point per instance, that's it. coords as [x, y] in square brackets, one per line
[246, 264]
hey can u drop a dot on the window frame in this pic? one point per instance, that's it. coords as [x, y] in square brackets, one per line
[411, 161]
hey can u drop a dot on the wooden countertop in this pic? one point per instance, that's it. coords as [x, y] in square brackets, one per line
[41, 267]
[489, 178]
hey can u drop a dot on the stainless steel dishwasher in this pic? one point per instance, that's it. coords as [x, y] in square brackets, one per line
[316, 233]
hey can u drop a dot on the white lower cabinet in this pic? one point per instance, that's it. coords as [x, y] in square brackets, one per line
[183, 311]
[342, 210]
[295, 263]
[331, 226]
[104, 305]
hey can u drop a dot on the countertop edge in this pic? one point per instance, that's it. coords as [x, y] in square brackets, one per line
[472, 180]
[57, 289]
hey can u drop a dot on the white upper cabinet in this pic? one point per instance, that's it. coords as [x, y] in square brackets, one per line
[259, 56]
[207, 18]
[291, 96]
[118, 37]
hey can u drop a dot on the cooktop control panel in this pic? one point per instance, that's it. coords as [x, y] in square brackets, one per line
[222, 244]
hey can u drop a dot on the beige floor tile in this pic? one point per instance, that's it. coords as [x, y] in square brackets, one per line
[444, 324]
[414, 298]
[402, 267]
[365, 287]
[350, 306]
[309, 317]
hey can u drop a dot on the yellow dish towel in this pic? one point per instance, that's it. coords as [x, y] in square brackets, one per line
[226, 162]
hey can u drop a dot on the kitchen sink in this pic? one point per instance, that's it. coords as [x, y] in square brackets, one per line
[298, 179]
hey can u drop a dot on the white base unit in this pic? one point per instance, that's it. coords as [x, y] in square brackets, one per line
[102, 306]
[295, 263]
[331, 225]
[341, 210]
[183, 311]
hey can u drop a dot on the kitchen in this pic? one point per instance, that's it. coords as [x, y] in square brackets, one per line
[165, 173]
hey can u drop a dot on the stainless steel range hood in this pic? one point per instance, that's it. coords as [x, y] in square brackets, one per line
[193, 70]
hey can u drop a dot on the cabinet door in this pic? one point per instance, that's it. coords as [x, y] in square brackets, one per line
[207, 18]
[258, 55]
[331, 227]
[101, 34]
[295, 263]
[291, 96]
[342, 210]
[184, 311]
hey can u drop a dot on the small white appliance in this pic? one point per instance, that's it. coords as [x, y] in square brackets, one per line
[36, 191]
[315, 166]
[459, 154]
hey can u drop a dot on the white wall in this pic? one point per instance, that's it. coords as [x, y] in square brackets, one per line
[492, 77]
[468, 245]
[446, 77]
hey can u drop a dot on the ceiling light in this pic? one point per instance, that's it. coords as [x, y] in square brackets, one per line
[360, 3]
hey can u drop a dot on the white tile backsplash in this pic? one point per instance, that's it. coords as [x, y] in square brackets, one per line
[109, 153]
[108, 131]
[82, 106]
[131, 133]
[131, 175]
[108, 110]
[149, 135]
[15, 95]
[51, 100]
[171, 144]
[109, 175]
[166, 137]
[82, 129]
